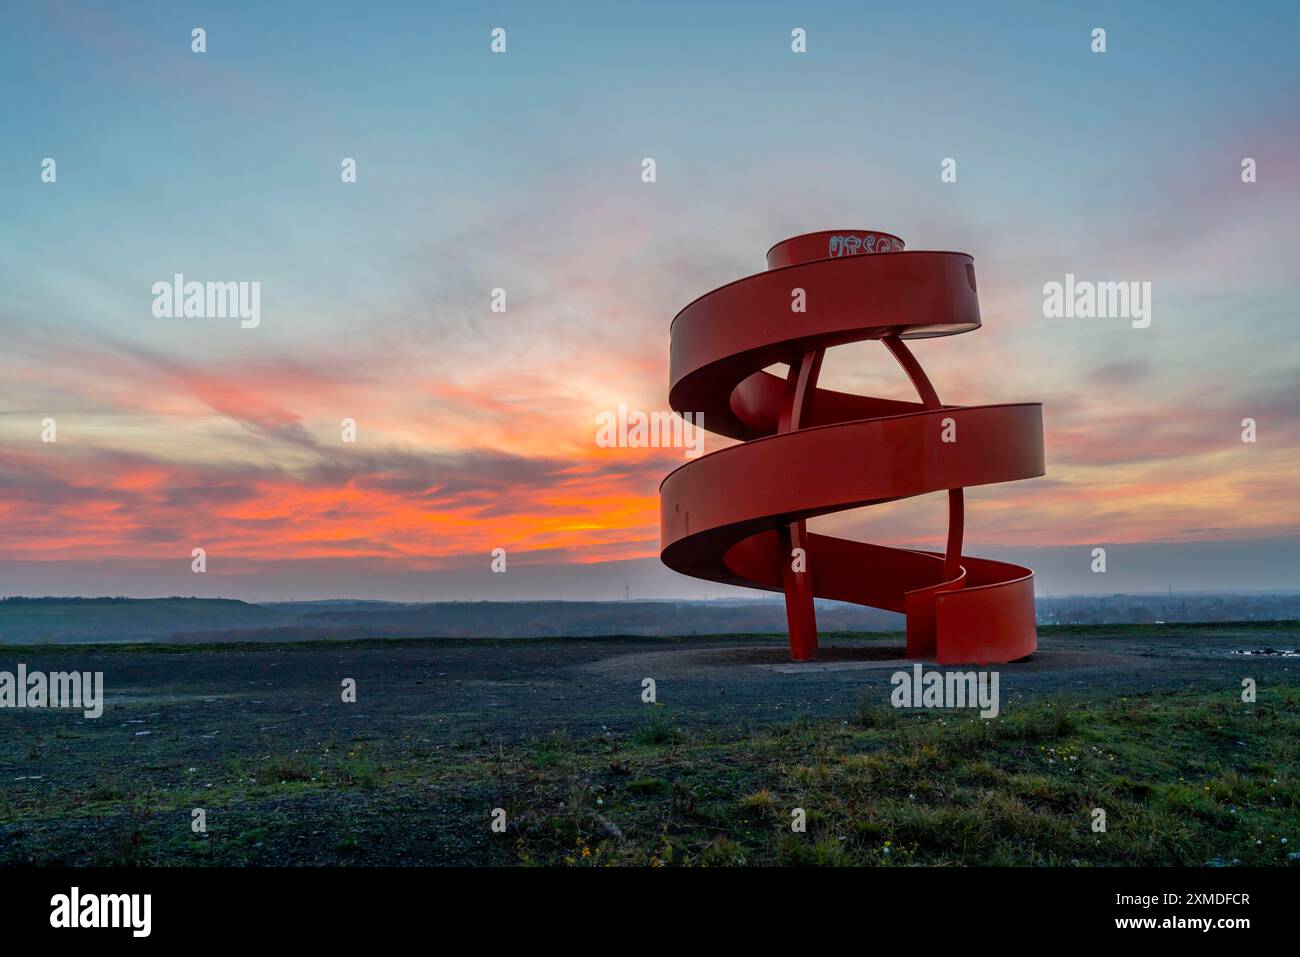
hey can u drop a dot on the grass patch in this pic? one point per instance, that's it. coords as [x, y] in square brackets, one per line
[658, 731]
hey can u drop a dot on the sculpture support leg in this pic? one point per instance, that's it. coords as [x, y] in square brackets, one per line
[956, 498]
[800, 613]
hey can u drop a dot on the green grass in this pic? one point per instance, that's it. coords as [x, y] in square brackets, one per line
[1184, 779]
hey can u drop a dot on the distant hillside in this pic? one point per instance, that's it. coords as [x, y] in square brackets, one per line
[61, 620]
[78, 620]
[81, 620]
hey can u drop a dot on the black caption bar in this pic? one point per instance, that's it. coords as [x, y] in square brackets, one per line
[302, 905]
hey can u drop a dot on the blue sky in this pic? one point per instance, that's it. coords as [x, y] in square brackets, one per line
[521, 171]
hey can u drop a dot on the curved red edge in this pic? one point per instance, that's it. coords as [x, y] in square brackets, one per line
[738, 515]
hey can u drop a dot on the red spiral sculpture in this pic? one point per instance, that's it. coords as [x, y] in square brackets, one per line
[739, 515]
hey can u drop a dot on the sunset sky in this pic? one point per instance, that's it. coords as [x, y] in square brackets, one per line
[476, 429]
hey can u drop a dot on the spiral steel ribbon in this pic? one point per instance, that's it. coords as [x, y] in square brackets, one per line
[738, 515]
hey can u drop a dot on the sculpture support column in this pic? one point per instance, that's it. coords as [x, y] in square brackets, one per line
[796, 568]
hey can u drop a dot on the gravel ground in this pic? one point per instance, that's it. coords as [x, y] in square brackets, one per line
[448, 691]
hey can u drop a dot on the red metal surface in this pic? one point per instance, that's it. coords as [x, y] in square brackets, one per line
[737, 515]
